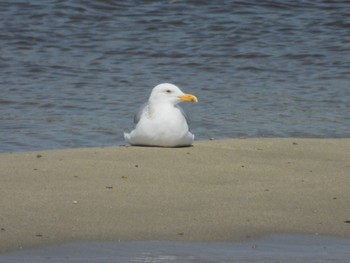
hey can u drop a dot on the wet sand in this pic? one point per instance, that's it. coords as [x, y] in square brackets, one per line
[227, 190]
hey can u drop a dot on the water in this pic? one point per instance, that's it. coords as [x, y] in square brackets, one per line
[276, 248]
[73, 72]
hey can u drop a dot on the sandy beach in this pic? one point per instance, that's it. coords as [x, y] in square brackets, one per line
[224, 190]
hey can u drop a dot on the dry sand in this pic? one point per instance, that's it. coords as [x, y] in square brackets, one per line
[217, 190]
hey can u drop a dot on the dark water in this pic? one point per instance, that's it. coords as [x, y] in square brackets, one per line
[272, 249]
[73, 72]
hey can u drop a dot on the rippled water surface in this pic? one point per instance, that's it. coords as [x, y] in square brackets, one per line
[74, 72]
[271, 249]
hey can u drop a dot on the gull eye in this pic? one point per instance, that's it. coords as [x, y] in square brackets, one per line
[168, 91]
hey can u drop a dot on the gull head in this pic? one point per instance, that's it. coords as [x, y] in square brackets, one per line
[169, 93]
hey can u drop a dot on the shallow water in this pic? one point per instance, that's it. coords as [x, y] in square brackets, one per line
[275, 248]
[74, 72]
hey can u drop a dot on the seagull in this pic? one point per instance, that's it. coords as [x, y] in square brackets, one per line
[161, 122]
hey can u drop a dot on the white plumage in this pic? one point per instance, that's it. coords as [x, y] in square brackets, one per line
[161, 122]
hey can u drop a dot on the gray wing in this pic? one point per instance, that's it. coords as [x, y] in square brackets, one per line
[139, 113]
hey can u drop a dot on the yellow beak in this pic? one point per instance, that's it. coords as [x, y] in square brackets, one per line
[188, 97]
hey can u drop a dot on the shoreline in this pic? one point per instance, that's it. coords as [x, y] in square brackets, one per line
[219, 190]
